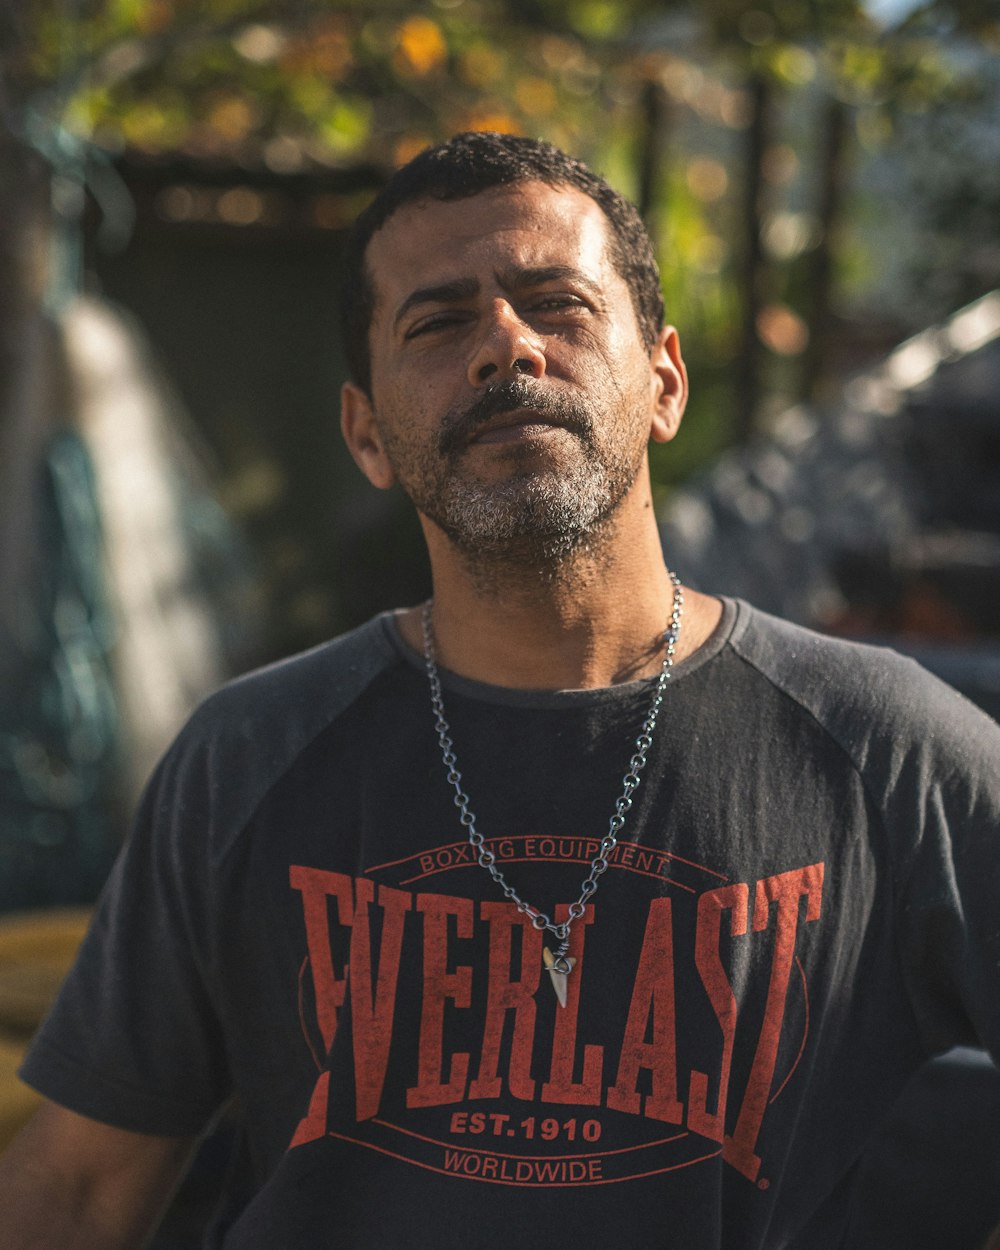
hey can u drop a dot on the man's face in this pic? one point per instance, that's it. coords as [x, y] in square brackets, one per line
[512, 396]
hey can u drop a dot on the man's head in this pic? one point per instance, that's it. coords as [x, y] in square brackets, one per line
[465, 166]
[509, 385]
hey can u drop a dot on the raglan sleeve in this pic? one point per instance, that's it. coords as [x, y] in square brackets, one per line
[941, 795]
[134, 1039]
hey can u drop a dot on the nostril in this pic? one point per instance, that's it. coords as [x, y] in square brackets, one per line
[486, 371]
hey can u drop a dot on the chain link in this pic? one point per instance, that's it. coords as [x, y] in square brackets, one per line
[601, 861]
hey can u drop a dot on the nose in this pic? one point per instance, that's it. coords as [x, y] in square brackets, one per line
[507, 346]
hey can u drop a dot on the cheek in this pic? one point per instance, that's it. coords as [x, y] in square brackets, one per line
[407, 429]
[622, 352]
[627, 373]
[410, 397]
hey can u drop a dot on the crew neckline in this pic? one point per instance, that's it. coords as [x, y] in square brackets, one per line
[471, 688]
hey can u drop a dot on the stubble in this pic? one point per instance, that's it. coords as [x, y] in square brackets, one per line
[538, 508]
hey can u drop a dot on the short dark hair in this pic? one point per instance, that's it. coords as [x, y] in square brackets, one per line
[471, 163]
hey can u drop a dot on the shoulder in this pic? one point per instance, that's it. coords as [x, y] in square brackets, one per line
[815, 666]
[304, 690]
[243, 737]
[878, 705]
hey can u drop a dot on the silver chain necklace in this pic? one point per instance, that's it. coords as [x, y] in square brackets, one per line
[558, 963]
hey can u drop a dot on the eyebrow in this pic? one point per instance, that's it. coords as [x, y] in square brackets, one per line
[518, 279]
[510, 279]
[444, 293]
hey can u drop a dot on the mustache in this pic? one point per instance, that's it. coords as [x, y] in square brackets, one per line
[510, 395]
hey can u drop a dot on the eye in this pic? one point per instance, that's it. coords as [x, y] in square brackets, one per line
[556, 309]
[436, 322]
[558, 303]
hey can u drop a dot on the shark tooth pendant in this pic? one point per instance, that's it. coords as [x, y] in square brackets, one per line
[558, 974]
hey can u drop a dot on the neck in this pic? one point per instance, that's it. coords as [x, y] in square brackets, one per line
[593, 617]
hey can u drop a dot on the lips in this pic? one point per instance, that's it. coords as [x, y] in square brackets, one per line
[524, 423]
[513, 409]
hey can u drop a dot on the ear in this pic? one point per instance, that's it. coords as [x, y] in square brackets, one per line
[361, 434]
[669, 385]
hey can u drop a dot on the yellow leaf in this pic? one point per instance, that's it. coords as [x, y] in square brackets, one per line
[485, 119]
[408, 147]
[420, 45]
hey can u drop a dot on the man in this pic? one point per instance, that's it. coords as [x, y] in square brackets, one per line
[568, 909]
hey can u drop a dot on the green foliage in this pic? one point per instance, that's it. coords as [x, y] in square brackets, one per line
[298, 85]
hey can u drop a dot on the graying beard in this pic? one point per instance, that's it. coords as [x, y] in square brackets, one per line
[547, 518]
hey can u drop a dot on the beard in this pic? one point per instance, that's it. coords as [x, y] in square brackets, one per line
[544, 506]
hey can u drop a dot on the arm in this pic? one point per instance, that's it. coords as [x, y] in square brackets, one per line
[71, 1183]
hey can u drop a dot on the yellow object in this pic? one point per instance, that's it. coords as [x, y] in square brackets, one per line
[36, 950]
[17, 1100]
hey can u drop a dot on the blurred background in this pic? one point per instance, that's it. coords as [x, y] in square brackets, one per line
[822, 184]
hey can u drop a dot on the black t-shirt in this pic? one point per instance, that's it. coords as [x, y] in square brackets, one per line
[803, 905]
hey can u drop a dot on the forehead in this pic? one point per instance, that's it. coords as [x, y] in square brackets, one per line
[527, 224]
